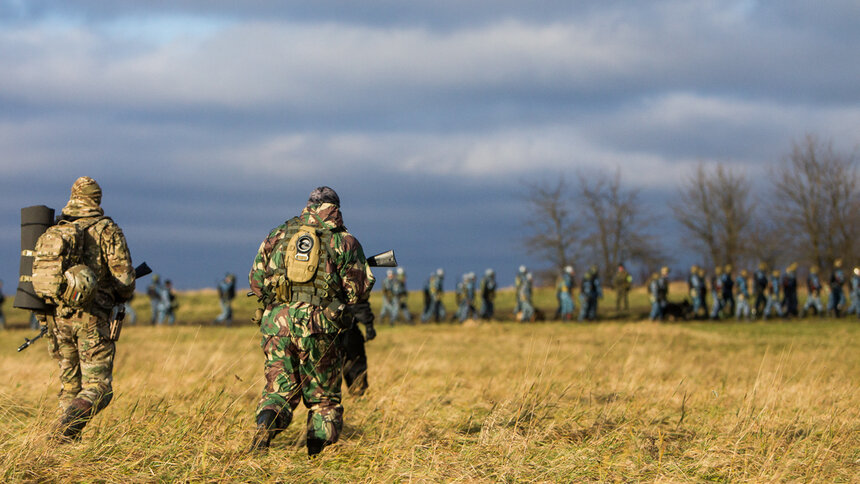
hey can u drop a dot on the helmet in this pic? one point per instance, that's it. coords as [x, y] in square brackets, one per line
[728, 268]
[400, 271]
[762, 265]
[813, 269]
[592, 269]
[80, 286]
[857, 270]
[523, 268]
[489, 272]
[718, 270]
[568, 269]
[837, 263]
[389, 273]
[775, 272]
[664, 271]
[791, 267]
[694, 268]
[529, 276]
[744, 273]
[440, 272]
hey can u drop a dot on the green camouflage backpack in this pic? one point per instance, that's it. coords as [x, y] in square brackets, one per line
[59, 273]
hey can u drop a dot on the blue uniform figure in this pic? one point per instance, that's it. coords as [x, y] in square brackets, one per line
[488, 294]
[436, 309]
[759, 288]
[519, 281]
[401, 296]
[166, 304]
[656, 313]
[700, 301]
[743, 293]
[837, 297]
[226, 293]
[153, 291]
[466, 296]
[855, 292]
[390, 306]
[813, 294]
[524, 297]
[772, 292]
[590, 292]
[717, 292]
[727, 297]
[564, 294]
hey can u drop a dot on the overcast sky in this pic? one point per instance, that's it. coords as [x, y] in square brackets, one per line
[208, 122]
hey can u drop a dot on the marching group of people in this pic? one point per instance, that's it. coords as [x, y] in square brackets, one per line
[763, 294]
[725, 294]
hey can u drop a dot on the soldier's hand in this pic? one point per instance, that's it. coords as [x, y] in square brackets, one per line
[362, 313]
[369, 332]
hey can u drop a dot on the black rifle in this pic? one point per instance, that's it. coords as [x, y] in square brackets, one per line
[28, 341]
[139, 271]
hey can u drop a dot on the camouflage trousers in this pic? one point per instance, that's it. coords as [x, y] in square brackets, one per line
[308, 369]
[85, 353]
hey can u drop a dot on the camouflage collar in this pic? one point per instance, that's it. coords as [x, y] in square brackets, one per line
[326, 215]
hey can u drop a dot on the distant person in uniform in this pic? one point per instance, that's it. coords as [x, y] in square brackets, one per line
[401, 295]
[389, 300]
[488, 294]
[527, 309]
[837, 297]
[813, 293]
[226, 294]
[622, 282]
[436, 310]
[564, 294]
[153, 291]
[2, 299]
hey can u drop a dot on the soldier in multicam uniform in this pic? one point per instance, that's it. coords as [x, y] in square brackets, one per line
[622, 283]
[813, 293]
[700, 303]
[301, 320]
[564, 294]
[837, 297]
[743, 296]
[436, 310]
[389, 300]
[759, 287]
[80, 339]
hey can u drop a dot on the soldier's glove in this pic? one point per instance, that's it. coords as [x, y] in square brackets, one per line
[362, 313]
[369, 332]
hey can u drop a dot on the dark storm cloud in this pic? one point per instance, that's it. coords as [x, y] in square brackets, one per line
[207, 122]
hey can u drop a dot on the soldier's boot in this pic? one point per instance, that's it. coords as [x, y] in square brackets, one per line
[73, 421]
[267, 429]
[315, 446]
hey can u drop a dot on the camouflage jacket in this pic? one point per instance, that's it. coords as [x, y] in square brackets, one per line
[349, 267]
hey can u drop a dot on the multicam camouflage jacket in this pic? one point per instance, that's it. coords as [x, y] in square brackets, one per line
[106, 252]
[348, 268]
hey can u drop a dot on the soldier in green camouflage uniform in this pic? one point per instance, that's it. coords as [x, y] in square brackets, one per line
[303, 360]
[80, 339]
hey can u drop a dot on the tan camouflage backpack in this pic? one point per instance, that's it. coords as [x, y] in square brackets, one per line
[59, 273]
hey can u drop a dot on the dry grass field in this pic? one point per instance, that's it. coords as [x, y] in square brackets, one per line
[510, 402]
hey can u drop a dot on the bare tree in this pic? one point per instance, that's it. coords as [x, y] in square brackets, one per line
[553, 228]
[715, 209]
[617, 227]
[817, 202]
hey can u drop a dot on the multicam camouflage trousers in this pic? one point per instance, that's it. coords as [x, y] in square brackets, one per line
[82, 345]
[308, 369]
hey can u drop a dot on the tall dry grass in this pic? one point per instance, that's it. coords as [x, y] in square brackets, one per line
[491, 402]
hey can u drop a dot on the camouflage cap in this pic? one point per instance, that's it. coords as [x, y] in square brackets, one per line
[323, 194]
[85, 199]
